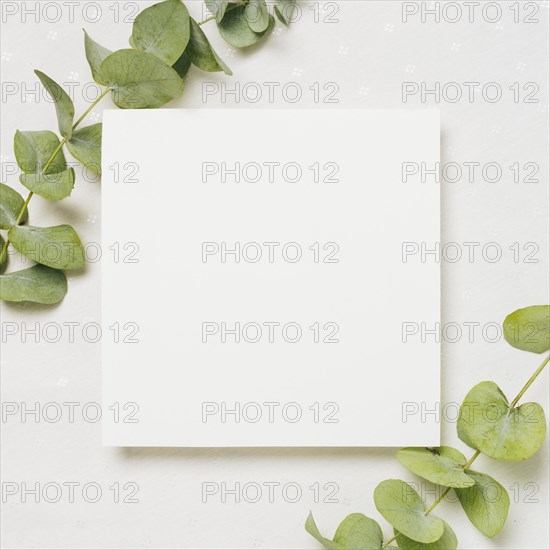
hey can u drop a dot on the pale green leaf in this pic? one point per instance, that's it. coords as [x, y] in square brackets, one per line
[356, 532]
[53, 187]
[528, 329]
[63, 104]
[4, 258]
[402, 507]
[448, 541]
[488, 424]
[217, 8]
[441, 465]
[202, 54]
[139, 80]
[58, 247]
[486, 503]
[11, 203]
[33, 150]
[162, 30]
[85, 146]
[284, 10]
[234, 28]
[257, 15]
[39, 284]
[95, 54]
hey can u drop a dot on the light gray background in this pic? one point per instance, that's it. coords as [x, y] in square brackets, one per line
[369, 53]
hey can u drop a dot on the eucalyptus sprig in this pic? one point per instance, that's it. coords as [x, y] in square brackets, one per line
[165, 42]
[488, 423]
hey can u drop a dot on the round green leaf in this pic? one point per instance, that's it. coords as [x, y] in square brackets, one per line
[441, 465]
[488, 424]
[4, 258]
[448, 541]
[85, 146]
[257, 15]
[402, 507]
[486, 503]
[95, 54]
[284, 10]
[140, 80]
[53, 187]
[217, 8]
[34, 149]
[234, 28]
[528, 329]
[202, 54]
[63, 104]
[58, 247]
[356, 532]
[11, 203]
[39, 284]
[162, 30]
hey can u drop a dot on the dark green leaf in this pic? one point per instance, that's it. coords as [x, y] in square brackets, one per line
[486, 503]
[39, 284]
[11, 203]
[528, 329]
[488, 424]
[95, 54]
[441, 465]
[448, 541]
[234, 28]
[257, 15]
[33, 150]
[58, 247]
[202, 53]
[53, 187]
[4, 257]
[139, 80]
[85, 146]
[63, 104]
[402, 507]
[163, 30]
[182, 65]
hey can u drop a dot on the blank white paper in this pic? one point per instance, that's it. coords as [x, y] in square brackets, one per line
[260, 283]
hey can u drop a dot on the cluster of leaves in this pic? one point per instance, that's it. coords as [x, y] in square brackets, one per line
[165, 42]
[488, 423]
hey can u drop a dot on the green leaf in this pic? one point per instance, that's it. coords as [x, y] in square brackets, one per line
[39, 284]
[234, 28]
[488, 424]
[284, 10]
[63, 104]
[486, 503]
[202, 54]
[356, 532]
[4, 258]
[528, 329]
[441, 465]
[58, 247]
[95, 54]
[162, 30]
[53, 187]
[402, 507]
[257, 15]
[182, 65]
[34, 149]
[85, 146]
[448, 541]
[11, 203]
[139, 80]
[217, 8]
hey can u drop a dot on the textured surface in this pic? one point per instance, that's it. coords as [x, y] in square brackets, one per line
[369, 53]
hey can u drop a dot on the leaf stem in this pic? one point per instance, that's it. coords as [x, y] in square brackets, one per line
[477, 453]
[48, 164]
